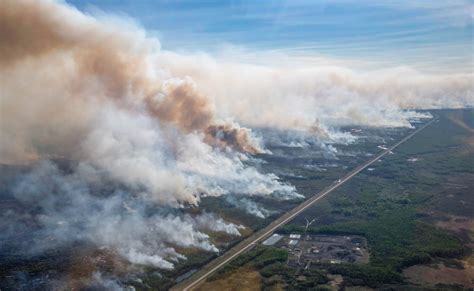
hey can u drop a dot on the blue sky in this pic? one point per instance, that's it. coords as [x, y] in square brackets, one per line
[435, 34]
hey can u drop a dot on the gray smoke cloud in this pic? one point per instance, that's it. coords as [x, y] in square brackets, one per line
[169, 166]
[99, 64]
[71, 211]
[319, 99]
[146, 132]
[114, 107]
[248, 206]
[136, 141]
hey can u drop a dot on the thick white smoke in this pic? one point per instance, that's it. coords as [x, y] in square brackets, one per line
[248, 206]
[320, 98]
[139, 143]
[168, 166]
[98, 94]
[71, 212]
[142, 128]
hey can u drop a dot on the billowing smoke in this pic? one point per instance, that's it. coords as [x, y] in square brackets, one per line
[169, 166]
[248, 206]
[112, 144]
[76, 65]
[231, 134]
[145, 133]
[99, 64]
[211, 222]
[321, 98]
[71, 210]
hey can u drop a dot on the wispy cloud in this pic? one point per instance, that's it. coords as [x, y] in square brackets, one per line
[428, 34]
[454, 12]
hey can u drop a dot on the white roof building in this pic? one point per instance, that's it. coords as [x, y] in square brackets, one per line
[293, 242]
[272, 240]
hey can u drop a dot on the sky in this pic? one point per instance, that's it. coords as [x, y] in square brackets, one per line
[431, 35]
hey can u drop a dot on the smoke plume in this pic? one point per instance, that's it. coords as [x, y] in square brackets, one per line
[145, 133]
[77, 64]
[113, 145]
[320, 99]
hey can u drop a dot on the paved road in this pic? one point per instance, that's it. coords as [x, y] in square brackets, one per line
[264, 233]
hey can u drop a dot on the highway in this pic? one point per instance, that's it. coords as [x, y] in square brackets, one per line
[248, 243]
